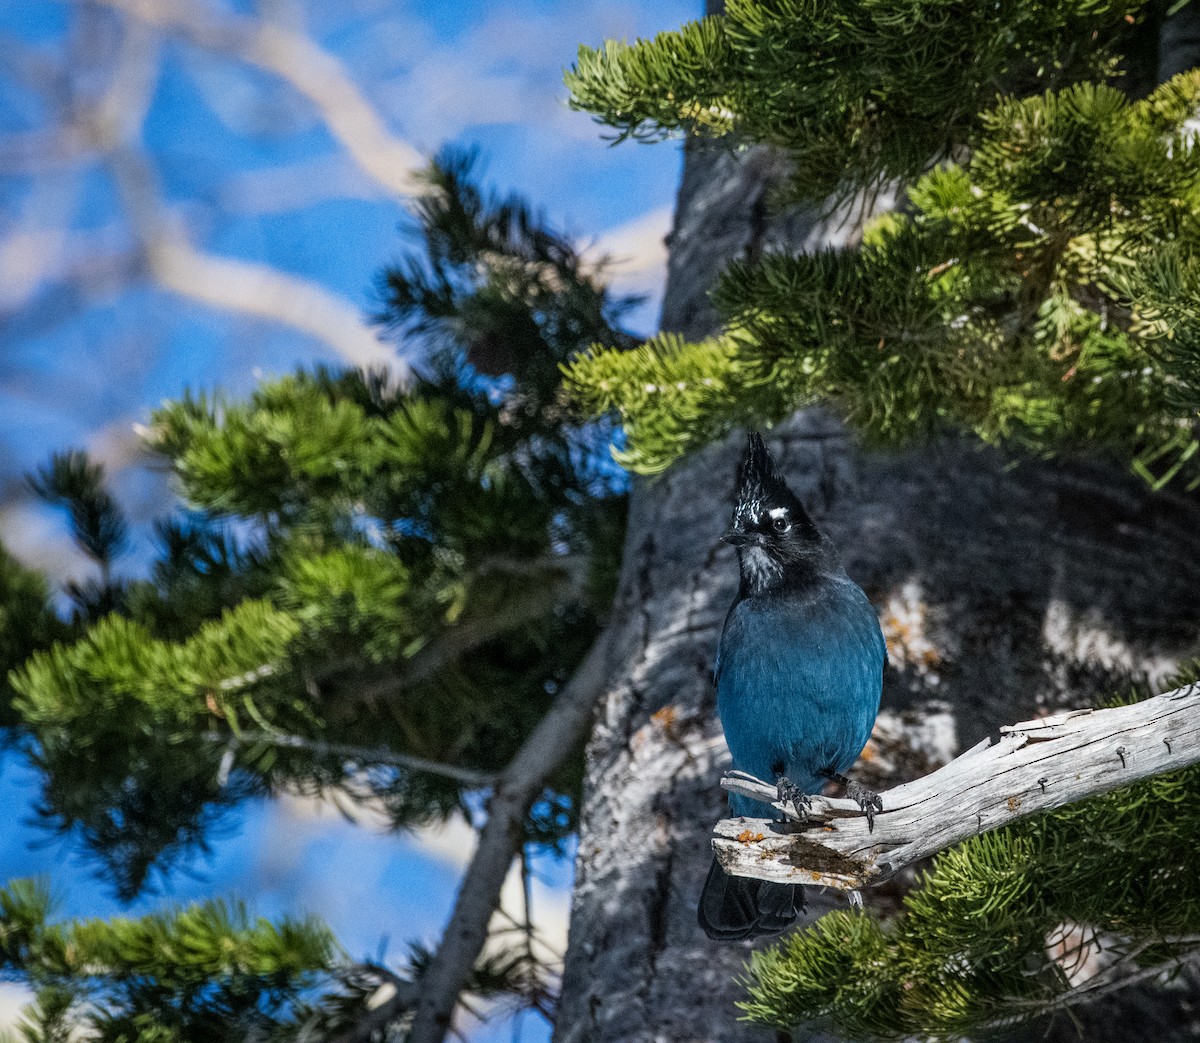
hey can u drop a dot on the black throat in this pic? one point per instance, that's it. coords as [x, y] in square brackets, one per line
[762, 573]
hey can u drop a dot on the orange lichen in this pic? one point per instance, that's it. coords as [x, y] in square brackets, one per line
[665, 716]
[746, 837]
[903, 619]
[1014, 803]
[668, 719]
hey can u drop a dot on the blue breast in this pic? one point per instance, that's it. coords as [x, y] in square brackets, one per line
[798, 683]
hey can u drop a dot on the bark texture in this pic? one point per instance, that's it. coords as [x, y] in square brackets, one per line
[1004, 592]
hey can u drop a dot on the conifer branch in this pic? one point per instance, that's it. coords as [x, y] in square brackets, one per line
[1125, 972]
[1035, 766]
[548, 582]
[402, 998]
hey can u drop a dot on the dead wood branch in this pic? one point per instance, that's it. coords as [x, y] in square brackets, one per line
[1035, 766]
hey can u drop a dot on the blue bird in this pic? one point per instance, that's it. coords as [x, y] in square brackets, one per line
[799, 673]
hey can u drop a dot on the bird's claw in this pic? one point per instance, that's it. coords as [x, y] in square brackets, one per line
[788, 792]
[868, 800]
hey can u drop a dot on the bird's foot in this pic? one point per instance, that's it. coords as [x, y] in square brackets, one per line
[789, 793]
[867, 799]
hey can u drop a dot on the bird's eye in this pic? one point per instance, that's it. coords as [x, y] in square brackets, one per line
[780, 523]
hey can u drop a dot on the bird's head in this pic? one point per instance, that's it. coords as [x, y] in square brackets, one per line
[774, 536]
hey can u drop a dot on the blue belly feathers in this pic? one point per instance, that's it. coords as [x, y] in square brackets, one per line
[798, 683]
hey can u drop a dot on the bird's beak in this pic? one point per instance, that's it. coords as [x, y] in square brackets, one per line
[735, 537]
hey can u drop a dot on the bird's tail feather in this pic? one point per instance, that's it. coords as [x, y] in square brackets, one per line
[735, 907]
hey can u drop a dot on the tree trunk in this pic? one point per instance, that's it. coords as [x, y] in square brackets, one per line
[1004, 592]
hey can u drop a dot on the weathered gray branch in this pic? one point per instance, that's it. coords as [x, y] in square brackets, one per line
[1035, 766]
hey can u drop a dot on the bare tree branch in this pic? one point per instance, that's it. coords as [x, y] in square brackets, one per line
[1034, 766]
[108, 125]
[554, 739]
[32, 253]
[311, 70]
[42, 151]
[119, 111]
[254, 289]
[295, 186]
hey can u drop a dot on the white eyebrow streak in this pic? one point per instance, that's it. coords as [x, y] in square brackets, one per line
[777, 512]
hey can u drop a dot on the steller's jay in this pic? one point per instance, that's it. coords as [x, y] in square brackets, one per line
[799, 672]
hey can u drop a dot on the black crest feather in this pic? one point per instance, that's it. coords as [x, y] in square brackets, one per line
[759, 480]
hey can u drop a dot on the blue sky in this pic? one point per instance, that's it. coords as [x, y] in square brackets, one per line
[246, 171]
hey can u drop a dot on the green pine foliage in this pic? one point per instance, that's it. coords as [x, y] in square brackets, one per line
[670, 396]
[71, 481]
[370, 589]
[207, 972]
[1041, 294]
[526, 308]
[854, 90]
[27, 623]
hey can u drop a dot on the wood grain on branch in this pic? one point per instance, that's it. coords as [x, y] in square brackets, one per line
[1035, 766]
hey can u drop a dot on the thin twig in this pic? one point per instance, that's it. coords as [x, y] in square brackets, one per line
[352, 752]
